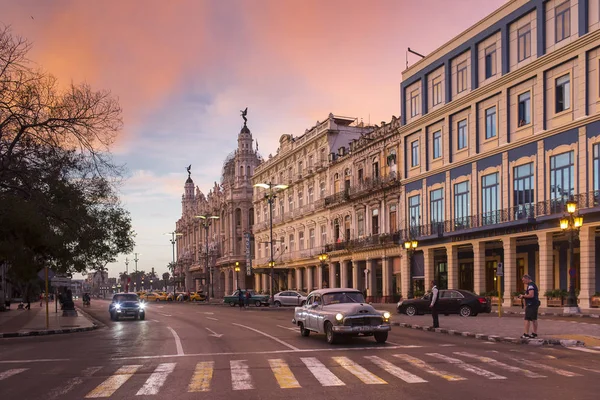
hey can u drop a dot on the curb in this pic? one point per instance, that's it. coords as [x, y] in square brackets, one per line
[44, 332]
[554, 314]
[494, 338]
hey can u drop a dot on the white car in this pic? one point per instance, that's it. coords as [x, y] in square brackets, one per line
[289, 298]
[338, 312]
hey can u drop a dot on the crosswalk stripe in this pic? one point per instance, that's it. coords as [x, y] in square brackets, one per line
[71, 383]
[430, 370]
[359, 371]
[395, 370]
[499, 364]
[11, 372]
[114, 382]
[283, 374]
[469, 368]
[546, 367]
[240, 377]
[156, 379]
[202, 376]
[321, 372]
[584, 349]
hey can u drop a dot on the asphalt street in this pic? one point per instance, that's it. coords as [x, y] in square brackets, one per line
[195, 351]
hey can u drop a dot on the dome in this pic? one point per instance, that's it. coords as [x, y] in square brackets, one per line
[245, 129]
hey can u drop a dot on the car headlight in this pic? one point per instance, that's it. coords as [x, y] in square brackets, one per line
[386, 315]
[142, 306]
[339, 317]
[117, 306]
[400, 303]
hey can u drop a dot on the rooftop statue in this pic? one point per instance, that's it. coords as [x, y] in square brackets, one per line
[244, 113]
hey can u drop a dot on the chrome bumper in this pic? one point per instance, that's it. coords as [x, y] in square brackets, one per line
[362, 329]
[294, 321]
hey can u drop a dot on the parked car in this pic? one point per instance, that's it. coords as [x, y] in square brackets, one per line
[255, 298]
[126, 305]
[289, 298]
[341, 312]
[153, 296]
[451, 301]
[197, 296]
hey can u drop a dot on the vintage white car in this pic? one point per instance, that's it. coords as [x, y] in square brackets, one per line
[337, 312]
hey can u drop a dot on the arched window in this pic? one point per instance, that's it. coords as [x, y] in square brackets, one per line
[248, 171]
[238, 216]
[241, 170]
[251, 217]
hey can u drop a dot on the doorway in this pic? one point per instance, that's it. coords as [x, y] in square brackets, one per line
[465, 278]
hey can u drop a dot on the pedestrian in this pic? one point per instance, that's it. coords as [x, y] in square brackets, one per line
[41, 299]
[434, 304]
[532, 304]
[247, 299]
[240, 298]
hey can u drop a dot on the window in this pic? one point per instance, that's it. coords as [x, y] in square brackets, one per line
[414, 103]
[257, 216]
[437, 90]
[310, 161]
[375, 169]
[437, 144]
[414, 214]
[281, 208]
[490, 122]
[461, 77]
[265, 213]
[322, 190]
[562, 180]
[311, 238]
[290, 203]
[300, 168]
[461, 205]
[360, 175]
[562, 21]
[300, 199]
[490, 61]
[392, 219]
[311, 196]
[259, 250]
[524, 43]
[523, 191]
[301, 240]
[414, 159]
[489, 199]
[436, 205]
[462, 134]
[323, 235]
[360, 217]
[524, 109]
[292, 243]
[562, 100]
[375, 222]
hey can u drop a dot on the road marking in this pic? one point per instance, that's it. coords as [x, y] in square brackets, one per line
[321, 372]
[499, 364]
[154, 320]
[545, 367]
[395, 370]
[166, 315]
[469, 368]
[359, 371]
[287, 327]
[407, 346]
[585, 368]
[114, 382]
[283, 374]
[11, 372]
[269, 336]
[156, 379]
[34, 361]
[447, 345]
[240, 377]
[60, 392]
[214, 319]
[213, 333]
[584, 349]
[177, 342]
[202, 376]
[427, 368]
[208, 313]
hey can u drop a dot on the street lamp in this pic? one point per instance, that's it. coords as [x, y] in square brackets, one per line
[271, 196]
[126, 275]
[570, 224]
[173, 240]
[150, 284]
[136, 259]
[323, 260]
[410, 246]
[237, 270]
[206, 221]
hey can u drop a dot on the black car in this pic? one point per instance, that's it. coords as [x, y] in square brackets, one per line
[126, 305]
[460, 302]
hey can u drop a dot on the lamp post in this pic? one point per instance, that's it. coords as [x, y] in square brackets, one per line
[126, 275]
[206, 221]
[410, 246]
[323, 260]
[173, 240]
[271, 195]
[570, 224]
[237, 271]
[150, 284]
[136, 259]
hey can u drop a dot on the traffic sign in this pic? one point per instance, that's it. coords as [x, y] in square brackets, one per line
[500, 269]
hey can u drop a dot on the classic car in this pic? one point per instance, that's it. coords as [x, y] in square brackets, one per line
[289, 298]
[341, 312]
[197, 296]
[460, 302]
[153, 296]
[126, 305]
[255, 298]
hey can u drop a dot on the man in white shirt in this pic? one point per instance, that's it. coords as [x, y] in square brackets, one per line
[433, 305]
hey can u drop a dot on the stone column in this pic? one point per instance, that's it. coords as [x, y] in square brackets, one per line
[266, 280]
[257, 281]
[546, 264]
[227, 283]
[309, 279]
[479, 267]
[290, 279]
[355, 273]
[452, 253]
[344, 273]
[299, 279]
[587, 265]
[510, 269]
[386, 276]
[319, 276]
[428, 264]
[370, 279]
[332, 271]
[404, 275]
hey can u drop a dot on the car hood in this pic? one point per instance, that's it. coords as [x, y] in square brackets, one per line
[351, 308]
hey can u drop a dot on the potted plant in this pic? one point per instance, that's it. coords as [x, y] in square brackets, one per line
[493, 295]
[554, 297]
[595, 300]
[516, 301]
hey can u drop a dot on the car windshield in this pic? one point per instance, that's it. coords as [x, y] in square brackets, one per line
[343, 297]
[125, 297]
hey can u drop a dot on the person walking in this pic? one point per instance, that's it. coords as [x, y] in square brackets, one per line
[434, 304]
[532, 304]
[240, 299]
[247, 299]
[41, 299]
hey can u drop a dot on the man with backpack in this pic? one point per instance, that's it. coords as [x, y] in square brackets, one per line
[532, 304]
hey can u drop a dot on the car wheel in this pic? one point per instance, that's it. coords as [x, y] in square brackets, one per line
[303, 331]
[231, 304]
[381, 337]
[157, 300]
[410, 310]
[257, 303]
[465, 311]
[112, 317]
[331, 336]
[277, 303]
[116, 317]
[142, 316]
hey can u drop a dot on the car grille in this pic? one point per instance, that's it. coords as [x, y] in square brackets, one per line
[363, 321]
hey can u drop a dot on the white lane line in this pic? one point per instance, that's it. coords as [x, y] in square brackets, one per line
[584, 349]
[11, 372]
[288, 328]
[586, 369]
[154, 320]
[321, 372]
[545, 367]
[62, 391]
[469, 368]
[156, 379]
[359, 371]
[177, 342]
[447, 345]
[214, 319]
[114, 382]
[166, 315]
[422, 365]
[269, 336]
[406, 346]
[395, 370]
[240, 376]
[499, 364]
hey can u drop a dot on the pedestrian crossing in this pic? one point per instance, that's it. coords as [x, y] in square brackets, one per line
[293, 372]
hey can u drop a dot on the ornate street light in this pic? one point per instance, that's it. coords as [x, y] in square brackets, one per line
[206, 221]
[237, 270]
[570, 224]
[173, 240]
[410, 245]
[271, 195]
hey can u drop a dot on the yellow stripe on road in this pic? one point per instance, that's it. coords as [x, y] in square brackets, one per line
[114, 382]
[202, 376]
[283, 374]
[422, 365]
[358, 371]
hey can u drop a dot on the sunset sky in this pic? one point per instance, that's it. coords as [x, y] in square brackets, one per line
[183, 70]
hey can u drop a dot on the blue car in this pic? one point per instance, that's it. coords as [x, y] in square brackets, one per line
[126, 305]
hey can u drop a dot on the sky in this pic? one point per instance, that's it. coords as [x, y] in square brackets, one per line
[183, 69]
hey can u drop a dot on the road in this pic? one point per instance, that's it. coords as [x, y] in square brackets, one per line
[192, 351]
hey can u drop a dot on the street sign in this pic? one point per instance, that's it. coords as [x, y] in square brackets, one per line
[60, 281]
[500, 269]
[248, 255]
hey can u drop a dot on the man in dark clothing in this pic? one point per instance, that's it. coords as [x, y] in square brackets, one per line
[433, 305]
[240, 298]
[532, 303]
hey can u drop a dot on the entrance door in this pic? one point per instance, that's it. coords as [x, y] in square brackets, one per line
[490, 275]
[441, 275]
[520, 272]
[465, 280]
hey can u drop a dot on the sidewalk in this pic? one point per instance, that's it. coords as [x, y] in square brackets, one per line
[16, 323]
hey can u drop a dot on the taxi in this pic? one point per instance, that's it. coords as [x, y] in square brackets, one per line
[197, 296]
[154, 296]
